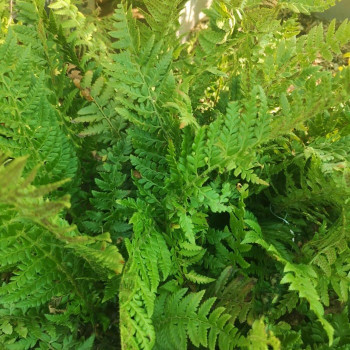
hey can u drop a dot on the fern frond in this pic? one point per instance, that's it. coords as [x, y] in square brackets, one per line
[28, 120]
[100, 113]
[178, 318]
[259, 339]
[162, 15]
[236, 141]
[235, 297]
[307, 6]
[302, 278]
[108, 214]
[149, 263]
[42, 254]
[17, 333]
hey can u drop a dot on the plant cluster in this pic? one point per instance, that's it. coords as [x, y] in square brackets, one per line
[162, 193]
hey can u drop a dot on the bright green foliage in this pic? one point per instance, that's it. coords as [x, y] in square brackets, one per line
[163, 193]
[28, 120]
[259, 339]
[177, 317]
[43, 259]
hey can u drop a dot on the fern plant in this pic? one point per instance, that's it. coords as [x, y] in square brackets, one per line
[162, 193]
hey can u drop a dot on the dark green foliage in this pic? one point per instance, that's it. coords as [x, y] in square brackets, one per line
[218, 166]
[108, 215]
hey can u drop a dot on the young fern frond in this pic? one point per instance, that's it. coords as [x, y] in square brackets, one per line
[234, 140]
[259, 339]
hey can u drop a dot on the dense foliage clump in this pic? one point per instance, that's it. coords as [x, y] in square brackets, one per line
[159, 192]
